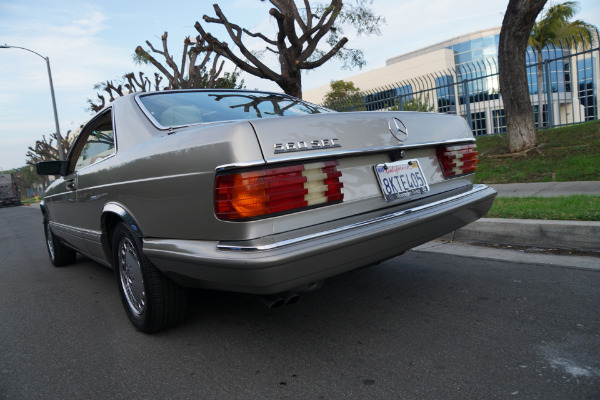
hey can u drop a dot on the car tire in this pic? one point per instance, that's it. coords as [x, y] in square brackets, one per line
[60, 255]
[151, 300]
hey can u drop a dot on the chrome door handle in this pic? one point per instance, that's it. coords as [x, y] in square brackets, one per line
[71, 184]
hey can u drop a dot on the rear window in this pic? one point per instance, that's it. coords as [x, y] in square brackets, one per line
[171, 109]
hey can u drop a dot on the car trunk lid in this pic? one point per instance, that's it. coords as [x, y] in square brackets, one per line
[292, 138]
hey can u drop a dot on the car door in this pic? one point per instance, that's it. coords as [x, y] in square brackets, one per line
[94, 144]
[94, 174]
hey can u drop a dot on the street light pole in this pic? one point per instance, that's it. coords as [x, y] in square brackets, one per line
[61, 152]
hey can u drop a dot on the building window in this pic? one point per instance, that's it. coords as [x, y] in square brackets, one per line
[446, 101]
[560, 74]
[404, 94]
[392, 99]
[585, 86]
[536, 116]
[478, 123]
[377, 101]
[499, 121]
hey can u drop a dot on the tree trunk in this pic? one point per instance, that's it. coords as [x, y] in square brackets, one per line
[291, 83]
[516, 27]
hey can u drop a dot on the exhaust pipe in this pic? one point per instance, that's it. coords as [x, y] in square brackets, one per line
[273, 301]
[280, 299]
[291, 298]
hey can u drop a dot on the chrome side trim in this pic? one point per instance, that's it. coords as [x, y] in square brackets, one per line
[90, 233]
[231, 247]
[156, 178]
[56, 195]
[245, 164]
[74, 231]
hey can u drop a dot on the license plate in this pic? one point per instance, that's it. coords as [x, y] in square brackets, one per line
[401, 179]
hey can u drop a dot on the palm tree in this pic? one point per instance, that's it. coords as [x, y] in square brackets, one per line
[555, 27]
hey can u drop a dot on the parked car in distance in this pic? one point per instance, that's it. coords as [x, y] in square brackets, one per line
[252, 192]
[9, 191]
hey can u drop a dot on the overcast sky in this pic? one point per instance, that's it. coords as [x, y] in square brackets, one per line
[89, 42]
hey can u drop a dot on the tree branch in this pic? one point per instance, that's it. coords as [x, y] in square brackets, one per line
[325, 58]
[321, 29]
[284, 56]
[157, 80]
[147, 56]
[259, 35]
[235, 33]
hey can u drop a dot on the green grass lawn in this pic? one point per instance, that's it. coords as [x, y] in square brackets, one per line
[564, 154]
[570, 208]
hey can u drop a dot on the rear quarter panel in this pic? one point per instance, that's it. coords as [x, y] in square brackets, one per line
[167, 183]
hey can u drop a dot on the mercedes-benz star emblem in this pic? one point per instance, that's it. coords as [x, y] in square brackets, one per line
[398, 129]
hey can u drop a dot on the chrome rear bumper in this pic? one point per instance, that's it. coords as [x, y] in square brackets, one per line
[279, 263]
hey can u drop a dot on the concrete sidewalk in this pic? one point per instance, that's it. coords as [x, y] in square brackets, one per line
[547, 189]
[568, 235]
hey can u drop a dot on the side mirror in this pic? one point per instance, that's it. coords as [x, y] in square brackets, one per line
[51, 167]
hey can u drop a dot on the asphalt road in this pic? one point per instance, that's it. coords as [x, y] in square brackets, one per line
[420, 326]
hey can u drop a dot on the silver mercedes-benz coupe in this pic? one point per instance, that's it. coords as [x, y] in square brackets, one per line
[252, 192]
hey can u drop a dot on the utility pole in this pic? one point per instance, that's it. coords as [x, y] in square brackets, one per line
[61, 151]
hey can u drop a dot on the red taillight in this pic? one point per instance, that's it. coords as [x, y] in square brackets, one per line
[252, 194]
[458, 160]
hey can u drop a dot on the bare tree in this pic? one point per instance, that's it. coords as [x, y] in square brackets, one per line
[516, 28]
[130, 82]
[299, 33]
[46, 150]
[195, 71]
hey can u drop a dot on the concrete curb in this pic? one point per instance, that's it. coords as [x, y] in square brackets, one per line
[569, 235]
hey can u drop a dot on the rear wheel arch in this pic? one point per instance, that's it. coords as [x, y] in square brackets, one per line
[44, 211]
[112, 215]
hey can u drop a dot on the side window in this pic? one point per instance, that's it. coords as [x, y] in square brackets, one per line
[97, 142]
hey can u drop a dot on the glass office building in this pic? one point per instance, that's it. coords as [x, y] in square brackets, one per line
[476, 66]
[460, 76]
